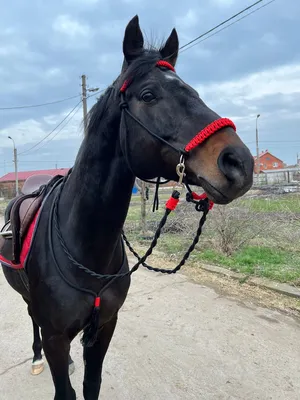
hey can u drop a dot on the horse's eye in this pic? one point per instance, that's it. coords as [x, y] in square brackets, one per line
[147, 97]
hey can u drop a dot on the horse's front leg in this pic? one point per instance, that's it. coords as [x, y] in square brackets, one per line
[93, 358]
[57, 348]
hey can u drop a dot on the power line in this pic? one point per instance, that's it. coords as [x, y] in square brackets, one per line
[40, 105]
[227, 26]
[57, 133]
[64, 119]
[95, 94]
[45, 137]
[222, 23]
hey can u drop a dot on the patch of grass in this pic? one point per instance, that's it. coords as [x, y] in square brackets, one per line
[266, 262]
[173, 244]
[284, 203]
[134, 213]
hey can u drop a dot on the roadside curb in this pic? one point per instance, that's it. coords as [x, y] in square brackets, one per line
[282, 288]
[264, 283]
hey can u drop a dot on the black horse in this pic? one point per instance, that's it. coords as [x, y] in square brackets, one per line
[139, 128]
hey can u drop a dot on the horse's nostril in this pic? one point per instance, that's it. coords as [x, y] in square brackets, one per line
[231, 163]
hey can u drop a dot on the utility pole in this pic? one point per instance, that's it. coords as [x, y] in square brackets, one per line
[16, 165]
[257, 152]
[84, 103]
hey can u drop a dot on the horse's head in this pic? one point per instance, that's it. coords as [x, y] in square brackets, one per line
[156, 97]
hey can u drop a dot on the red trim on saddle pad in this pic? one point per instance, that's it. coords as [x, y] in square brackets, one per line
[25, 247]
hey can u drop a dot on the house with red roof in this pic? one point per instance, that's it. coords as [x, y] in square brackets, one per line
[268, 161]
[8, 181]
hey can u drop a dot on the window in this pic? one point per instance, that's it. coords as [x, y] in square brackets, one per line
[268, 158]
[275, 164]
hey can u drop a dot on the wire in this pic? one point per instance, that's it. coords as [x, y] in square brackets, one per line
[45, 137]
[227, 26]
[222, 23]
[64, 119]
[75, 112]
[40, 105]
[95, 94]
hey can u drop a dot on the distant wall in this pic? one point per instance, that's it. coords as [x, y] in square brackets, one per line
[275, 177]
[8, 189]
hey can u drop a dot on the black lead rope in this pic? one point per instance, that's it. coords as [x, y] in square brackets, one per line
[202, 207]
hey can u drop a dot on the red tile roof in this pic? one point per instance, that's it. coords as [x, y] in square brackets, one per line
[23, 175]
[267, 152]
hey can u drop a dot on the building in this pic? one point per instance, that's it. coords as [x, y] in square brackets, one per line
[268, 162]
[8, 181]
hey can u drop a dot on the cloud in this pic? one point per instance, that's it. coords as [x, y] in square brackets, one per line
[31, 131]
[69, 26]
[284, 79]
[274, 93]
[188, 20]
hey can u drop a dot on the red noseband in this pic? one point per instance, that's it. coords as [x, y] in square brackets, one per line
[210, 129]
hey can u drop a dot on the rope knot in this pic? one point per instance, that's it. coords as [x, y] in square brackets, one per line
[202, 203]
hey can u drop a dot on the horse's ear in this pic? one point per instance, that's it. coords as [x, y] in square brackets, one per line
[169, 51]
[133, 41]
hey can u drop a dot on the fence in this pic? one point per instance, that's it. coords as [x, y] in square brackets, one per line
[271, 177]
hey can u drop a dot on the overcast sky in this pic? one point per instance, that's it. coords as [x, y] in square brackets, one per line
[252, 67]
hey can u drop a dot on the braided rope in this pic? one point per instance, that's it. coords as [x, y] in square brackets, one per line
[185, 256]
[209, 130]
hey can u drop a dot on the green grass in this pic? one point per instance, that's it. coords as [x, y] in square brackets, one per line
[259, 257]
[284, 203]
[272, 263]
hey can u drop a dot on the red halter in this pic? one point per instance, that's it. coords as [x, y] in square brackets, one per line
[199, 138]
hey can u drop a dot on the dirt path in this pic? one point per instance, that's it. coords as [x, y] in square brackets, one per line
[175, 340]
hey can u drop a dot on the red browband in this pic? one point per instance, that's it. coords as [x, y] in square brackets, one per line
[160, 63]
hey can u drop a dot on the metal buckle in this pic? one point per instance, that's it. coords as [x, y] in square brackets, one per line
[5, 232]
[180, 168]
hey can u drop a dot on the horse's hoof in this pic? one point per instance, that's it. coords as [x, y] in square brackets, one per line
[71, 368]
[37, 367]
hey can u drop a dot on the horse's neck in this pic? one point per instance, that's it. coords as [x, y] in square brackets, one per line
[95, 200]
